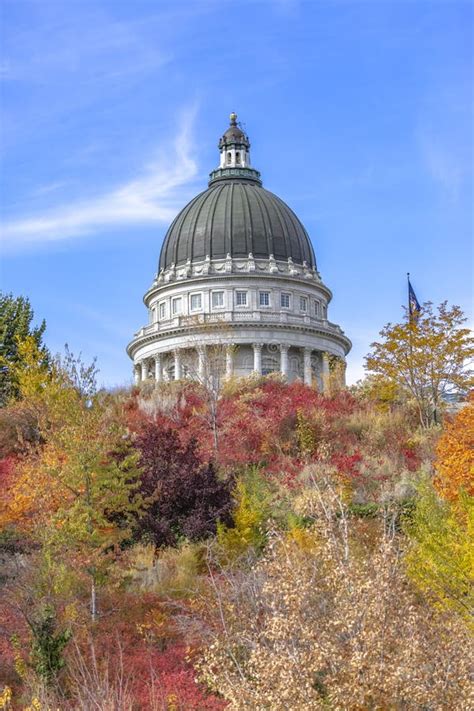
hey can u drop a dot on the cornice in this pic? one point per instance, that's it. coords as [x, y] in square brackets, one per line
[155, 337]
[223, 270]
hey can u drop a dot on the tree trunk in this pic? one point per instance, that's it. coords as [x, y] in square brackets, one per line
[93, 600]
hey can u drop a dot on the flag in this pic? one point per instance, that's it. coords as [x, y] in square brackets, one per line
[414, 307]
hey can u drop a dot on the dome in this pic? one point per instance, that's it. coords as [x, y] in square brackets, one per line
[237, 217]
[237, 273]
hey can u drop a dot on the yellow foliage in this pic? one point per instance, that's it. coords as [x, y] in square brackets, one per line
[304, 539]
[306, 434]
[440, 559]
[247, 532]
[172, 572]
[172, 702]
[37, 705]
[455, 450]
[5, 698]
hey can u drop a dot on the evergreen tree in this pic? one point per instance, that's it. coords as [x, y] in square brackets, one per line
[16, 316]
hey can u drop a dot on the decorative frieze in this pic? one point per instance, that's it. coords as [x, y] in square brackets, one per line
[235, 265]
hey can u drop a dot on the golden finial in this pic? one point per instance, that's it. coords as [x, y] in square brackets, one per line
[233, 118]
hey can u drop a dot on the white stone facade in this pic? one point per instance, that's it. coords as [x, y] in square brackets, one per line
[247, 314]
[266, 316]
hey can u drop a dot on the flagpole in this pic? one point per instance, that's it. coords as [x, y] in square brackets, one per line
[410, 334]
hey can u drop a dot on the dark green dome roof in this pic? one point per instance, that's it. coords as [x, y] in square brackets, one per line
[236, 217]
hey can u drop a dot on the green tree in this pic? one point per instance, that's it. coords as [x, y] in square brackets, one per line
[251, 513]
[47, 645]
[427, 357]
[16, 316]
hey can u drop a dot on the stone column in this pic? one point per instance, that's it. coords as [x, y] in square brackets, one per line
[201, 351]
[136, 373]
[158, 368]
[325, 371]
[144, 367]
[284, 359]
[343, 373]
[308, 375]
[229, 362]
[257, 357]
[177, 365]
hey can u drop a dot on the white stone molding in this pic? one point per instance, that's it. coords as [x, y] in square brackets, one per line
[230, 265]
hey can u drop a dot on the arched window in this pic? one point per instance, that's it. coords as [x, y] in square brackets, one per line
[269, 365]
[237, 158]
[229, 158]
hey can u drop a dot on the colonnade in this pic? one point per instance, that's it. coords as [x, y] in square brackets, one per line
[154, 366]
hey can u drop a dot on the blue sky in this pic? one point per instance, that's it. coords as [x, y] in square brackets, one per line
[359, 114]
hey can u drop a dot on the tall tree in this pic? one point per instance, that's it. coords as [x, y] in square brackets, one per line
[74, 490]
[428, 357]
[16, 316]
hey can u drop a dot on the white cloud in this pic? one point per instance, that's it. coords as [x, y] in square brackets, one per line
[443, 164]
[444, 136]
[147, 199]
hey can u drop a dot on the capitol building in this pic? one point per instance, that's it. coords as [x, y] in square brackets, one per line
[237, 282]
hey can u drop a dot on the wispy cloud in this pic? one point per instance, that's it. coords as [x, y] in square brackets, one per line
[445, 138]
[89, 46]
[443, 164]
[151, 197]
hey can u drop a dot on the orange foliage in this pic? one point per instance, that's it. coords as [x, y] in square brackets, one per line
[455, 450]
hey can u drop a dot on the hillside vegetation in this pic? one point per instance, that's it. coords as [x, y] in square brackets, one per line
[287, 550]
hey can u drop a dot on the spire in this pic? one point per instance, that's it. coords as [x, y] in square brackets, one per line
[234, 147]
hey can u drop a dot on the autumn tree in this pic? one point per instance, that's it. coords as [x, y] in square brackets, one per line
[428, 357]
[16, 317]
[183, 496]
[209, 370]
[75, 489]
[455, 455]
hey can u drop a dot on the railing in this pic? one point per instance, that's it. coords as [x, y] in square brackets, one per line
[237, 317]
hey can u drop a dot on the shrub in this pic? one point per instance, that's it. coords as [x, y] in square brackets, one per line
[320, 623]
[455, 450]
[440, 559]
[249, 517]
[169, 572]
[185, 498]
